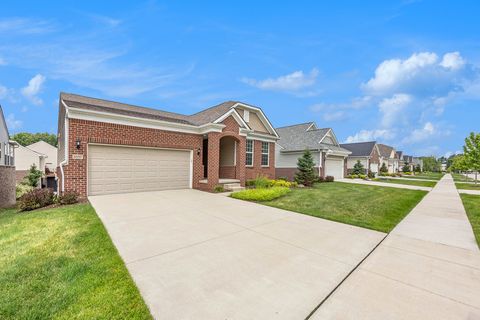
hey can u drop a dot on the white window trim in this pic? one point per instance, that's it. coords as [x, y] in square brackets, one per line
[268, 155]
[253, 153]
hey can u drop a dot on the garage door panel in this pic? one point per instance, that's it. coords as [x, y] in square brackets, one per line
[115, 169]
[334, 167]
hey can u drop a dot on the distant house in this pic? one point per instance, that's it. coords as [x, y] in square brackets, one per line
[49, 151]
[7, 165]
[295, 139]
[25, 158]
[417, 161]
[365, 152]
[389, 157]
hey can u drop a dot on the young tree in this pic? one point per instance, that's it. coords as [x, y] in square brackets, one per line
[418, 169]
[358, 168]
[430, 164]
[33, 176]
[406, 167]
[384, 168]
[306, 171]
[471, 149]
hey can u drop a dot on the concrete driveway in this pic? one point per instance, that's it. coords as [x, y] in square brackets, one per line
[196, 255]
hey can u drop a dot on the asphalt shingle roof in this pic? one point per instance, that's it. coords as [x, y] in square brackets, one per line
[297, 138]
[385, 151]
[360, 149]
[203, 117]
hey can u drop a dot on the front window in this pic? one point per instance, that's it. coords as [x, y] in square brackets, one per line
[249, 153]
[265, 153]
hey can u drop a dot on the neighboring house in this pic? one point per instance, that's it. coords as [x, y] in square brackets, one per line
[48, 150]
[407, 161]
[7, 165]
[25, 158]
[417, 161]
[49, 180]
[108, 147]
[389, 157]
[365, 152]
[329, 156]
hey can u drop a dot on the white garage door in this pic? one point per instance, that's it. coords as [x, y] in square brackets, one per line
[334, 167]
[113, 169]
[374, 167]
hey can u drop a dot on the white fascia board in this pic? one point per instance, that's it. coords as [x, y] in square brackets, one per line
[262, 117]
[236, 116]
[81, 114]
[261, 137]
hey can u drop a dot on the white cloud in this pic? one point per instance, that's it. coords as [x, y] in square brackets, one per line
[370, 135]
[392, 108]
[290, 82]
[12, 26]
[334, 116]
[426, 132]
[33, 88]
[13, 123]
[452, 60]
[3, 92]
[421, 75]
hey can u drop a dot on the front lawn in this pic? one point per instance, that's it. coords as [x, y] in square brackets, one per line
[457, 177]
[372, 207]
[472, 206]
[418, 182]
[426, 175]
[61, 264]
[468, 186]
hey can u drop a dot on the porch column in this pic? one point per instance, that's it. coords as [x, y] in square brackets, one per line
[240, 160]
[213, 160]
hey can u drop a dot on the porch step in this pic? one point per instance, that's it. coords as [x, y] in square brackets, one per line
[233, 187]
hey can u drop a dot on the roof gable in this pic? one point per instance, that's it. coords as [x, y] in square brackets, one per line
[360, 149]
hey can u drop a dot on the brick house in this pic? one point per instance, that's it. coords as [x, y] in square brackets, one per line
[107, 147]
[366, 152]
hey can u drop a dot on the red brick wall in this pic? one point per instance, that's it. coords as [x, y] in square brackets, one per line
[107, 133]
[228, 172]
[285, 172]
[257, 169]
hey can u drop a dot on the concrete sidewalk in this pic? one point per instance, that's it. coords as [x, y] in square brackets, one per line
[384, 184]
[427, 268]
[474, 192]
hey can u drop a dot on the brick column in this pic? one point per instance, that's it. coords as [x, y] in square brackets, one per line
[213, 159]
[240, 167]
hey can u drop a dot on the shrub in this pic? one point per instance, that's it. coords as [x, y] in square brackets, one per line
[250, 183]
[306, 172]
[383, 168]
[329, 179]
[281, 183]
[371, 174]
[21, 189]
[69, 197]
[320, 179]
[358, 168]
[218, 188]
[362, 176]
[36, 198]
[283, 178]
[32, 177]
[265, 194]
[262, 182]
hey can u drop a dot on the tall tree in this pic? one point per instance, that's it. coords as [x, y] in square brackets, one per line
[471, 150]
[431, 164]
[306, 171]
[27, 138]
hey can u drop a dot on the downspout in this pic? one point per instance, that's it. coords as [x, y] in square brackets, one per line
[65, 159]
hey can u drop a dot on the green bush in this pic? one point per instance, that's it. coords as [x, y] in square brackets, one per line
[358, 168]
[262, 194]
[371, 174]
[262, 182]
[69, 197]
[329, 179]
[362, 176]
[36, 198]
[21, 189]
[219, 188]
[33, 176]
[306, 169]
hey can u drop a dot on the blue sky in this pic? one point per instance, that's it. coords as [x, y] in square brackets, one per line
[406, 73]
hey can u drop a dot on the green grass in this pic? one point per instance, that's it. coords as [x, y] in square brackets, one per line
[468, 186]
[472, 206]
[419, 183]
[61, 264]
[426, 175]
[261, 194]
[457, 177]
[372, 207]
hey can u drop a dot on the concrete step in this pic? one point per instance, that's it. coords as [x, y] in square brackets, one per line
[235, 189]
[231, 185]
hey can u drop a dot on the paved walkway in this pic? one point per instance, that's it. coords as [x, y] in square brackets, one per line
[476, 192]
[406, 178]
[197, 255]
[427, 268]
[384, 184]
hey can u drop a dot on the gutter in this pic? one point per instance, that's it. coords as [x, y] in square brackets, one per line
[65, 138]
